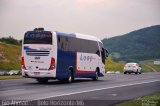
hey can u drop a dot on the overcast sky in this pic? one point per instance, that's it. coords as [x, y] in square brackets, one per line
[100, 18]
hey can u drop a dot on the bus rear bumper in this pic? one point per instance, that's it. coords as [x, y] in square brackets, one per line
[38, 74]
[54, 78]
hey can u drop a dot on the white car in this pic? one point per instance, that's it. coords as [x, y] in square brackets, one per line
[132, 68]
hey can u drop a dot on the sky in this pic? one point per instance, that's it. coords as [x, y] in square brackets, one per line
[100, 18]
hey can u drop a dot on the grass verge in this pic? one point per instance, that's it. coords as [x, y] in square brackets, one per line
[111, 65]
[149, 66]
[151, 100]
[10, 57]
[10, 77]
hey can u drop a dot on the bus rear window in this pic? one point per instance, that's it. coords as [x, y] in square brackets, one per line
[38, 38]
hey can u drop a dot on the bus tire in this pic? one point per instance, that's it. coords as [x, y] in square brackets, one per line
[42, 80]
[70, 77]
[136, 72]
[96, 77]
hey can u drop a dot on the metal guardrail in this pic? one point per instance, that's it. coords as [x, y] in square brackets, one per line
[12, 72]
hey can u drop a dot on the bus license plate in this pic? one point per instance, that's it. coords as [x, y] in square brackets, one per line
[36, 73]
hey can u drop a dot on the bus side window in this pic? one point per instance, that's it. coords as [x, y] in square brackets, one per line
[66, 44]
[59, 42]
[59, 39]
[62, 46]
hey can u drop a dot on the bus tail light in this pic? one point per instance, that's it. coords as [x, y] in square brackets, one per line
[52, 66]
[22, 63]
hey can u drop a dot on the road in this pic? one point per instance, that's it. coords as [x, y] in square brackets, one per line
[109, 90]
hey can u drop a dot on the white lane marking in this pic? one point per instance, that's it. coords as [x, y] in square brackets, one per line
[112, 94]
[96, 90]
[12, 90]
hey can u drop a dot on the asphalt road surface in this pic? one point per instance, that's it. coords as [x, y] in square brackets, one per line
[109, 90]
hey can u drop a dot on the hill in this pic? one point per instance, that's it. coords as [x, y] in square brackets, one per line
[10, 57]
[11, 40]
[138, 45]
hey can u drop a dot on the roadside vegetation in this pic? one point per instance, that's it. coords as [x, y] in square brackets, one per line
[151, 100]
[10, 77]
[10, 56]
[113, 66]
[10, 40]
[149, 66]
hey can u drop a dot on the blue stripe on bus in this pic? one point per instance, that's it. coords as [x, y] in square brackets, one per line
[65, 59]
[86, 75]
[37, 55]
[36, 51]
[28, 48]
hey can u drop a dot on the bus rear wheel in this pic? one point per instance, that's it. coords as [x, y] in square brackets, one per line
[42, 81]
[70, 77]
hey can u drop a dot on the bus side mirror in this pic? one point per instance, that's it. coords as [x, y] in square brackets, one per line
[106, 53]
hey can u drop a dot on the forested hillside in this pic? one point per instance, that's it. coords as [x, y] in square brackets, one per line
[138, 45]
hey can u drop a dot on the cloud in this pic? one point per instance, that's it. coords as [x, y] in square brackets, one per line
[101, 18]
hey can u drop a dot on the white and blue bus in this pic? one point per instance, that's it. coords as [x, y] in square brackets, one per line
[55, 55]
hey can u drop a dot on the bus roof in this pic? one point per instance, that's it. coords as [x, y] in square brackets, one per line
[76, 35]
[81, 36]
[66, 34]
[87, 37]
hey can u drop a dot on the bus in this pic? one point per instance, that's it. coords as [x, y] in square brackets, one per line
[55, 55]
